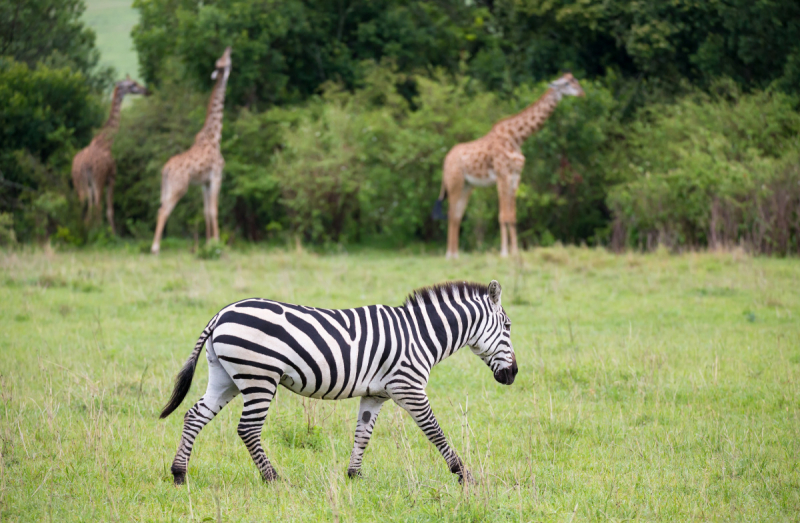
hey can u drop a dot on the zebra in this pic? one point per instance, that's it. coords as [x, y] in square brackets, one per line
[376, 352]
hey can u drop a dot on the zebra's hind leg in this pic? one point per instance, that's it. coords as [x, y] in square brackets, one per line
[221, 390]
[367, 415]
[256, 404]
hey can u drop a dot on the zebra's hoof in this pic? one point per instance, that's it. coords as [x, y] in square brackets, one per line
[179, 478]
[354, 473]
[466, 478]
[270, 477]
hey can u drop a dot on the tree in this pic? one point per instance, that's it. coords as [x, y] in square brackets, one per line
[284, 50]
[51, 31]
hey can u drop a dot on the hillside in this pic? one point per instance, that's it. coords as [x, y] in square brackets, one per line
[112, 21]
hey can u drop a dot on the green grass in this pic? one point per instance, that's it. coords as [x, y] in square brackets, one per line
[651, 387]
[112, 21]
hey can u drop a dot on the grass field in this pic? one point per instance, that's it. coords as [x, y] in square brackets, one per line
[112, 21]
[651, 387]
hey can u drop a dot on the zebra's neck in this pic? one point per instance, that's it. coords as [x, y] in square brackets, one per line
[444, 326]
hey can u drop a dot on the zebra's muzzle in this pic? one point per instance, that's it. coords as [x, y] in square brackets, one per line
[506, 376]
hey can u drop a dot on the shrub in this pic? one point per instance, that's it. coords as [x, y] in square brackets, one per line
[711, 170]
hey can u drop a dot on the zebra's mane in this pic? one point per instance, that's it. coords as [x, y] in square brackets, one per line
[425, 295]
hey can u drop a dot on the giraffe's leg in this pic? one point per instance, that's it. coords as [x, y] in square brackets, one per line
[512, 232]
[503, 239]
[206, 207]
[99, 185]
[171, 192]
[90, 197]
[216, 184]
[508, 214]
[221, 390]
[459, 196]
[256, 404]
[416, 403]
[367, 416]
[110, 199]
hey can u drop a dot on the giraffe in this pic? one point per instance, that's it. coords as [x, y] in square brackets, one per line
[94, 165]
[496, 158]
[201, 164]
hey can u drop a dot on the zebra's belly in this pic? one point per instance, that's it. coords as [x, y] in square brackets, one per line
[291, 381]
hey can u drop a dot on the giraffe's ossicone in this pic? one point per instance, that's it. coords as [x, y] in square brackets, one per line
[496, 159]
[201, 164]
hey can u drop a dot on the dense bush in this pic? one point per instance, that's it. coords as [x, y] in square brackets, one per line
[46, 115]
[712, 170]
[684, 137]
[380, 166]
[50, 87]
[365, 165]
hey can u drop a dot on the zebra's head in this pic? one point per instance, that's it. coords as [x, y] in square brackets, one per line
[492, 341]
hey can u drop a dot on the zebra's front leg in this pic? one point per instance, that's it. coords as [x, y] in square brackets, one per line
[416, 403]
[256, 404]
[367, 416]
[221, 390]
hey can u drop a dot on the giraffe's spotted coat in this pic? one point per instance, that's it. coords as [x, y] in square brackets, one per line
[93, 167]
[497, 158]
[201, 164]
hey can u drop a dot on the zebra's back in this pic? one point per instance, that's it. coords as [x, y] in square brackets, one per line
[319, 353]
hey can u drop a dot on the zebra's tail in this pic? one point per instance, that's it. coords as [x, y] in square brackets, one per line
[183, 381]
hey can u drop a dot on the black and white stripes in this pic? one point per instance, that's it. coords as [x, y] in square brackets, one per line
[375, 352]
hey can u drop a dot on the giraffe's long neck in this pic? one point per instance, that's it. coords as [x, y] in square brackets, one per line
[212, 129]
[109, 129]
[519, 127]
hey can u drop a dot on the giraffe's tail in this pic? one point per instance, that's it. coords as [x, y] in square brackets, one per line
[183, 381]
[438, 213]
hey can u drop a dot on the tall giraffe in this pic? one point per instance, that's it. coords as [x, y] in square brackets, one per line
[201, 164]
[496, 158]
[94, 165]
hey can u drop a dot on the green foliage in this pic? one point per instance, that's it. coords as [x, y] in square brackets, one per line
[49, 81]
[153, 130]
[712, 170]
[51, 32]
[283, 51]
[365, 166]
[47, 114]
[568, 169]
[7, 235]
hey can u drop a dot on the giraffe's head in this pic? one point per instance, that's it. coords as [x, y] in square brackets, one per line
[223, 65]
[129, 86]
[567, 85]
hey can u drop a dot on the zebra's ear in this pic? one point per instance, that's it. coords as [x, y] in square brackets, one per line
[494, 292]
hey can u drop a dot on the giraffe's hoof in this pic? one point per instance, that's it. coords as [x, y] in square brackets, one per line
[354, 473]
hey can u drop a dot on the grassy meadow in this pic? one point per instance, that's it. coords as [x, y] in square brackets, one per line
[655, 387]
[112, 21]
